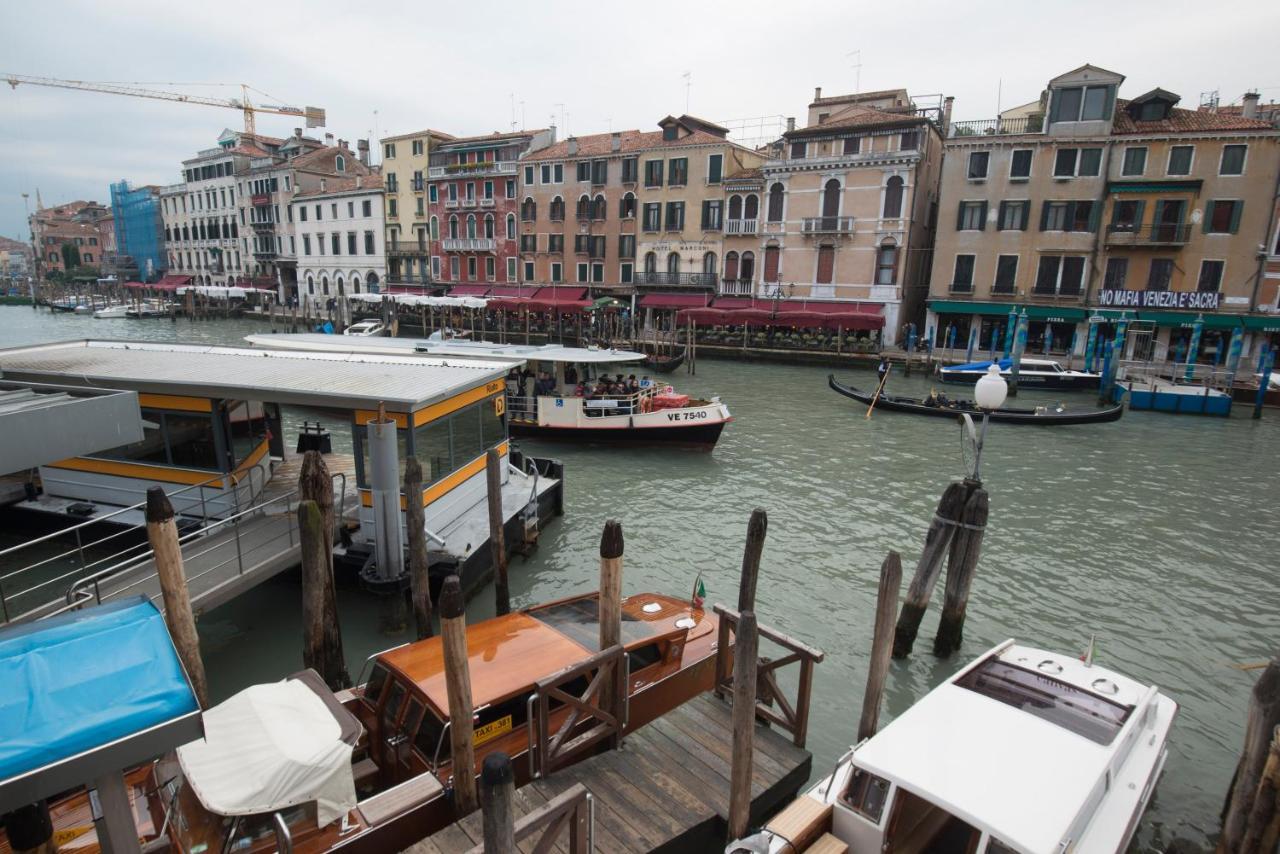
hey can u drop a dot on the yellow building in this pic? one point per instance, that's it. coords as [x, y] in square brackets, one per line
[405, 167]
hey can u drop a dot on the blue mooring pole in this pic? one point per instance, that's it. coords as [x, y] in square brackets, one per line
[1019, 347]
[1010, 330]
[1090, 346]
[973, 340]
[1193, 350]
[1268, 362]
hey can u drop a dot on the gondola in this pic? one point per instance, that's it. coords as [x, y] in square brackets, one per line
[1042, 415]
[660, 365]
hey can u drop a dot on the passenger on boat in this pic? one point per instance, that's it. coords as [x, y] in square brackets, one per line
[570, 374]
[645, 382]
[581, 390]
[633, 385]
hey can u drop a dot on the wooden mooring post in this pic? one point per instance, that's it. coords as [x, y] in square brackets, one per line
[746, 648]
[1250, 815]
[322, 633]
[162, 533]
[497, 791]
[966, 546]
[757, 530]
[939, 536]
[419, 566]
[497, 540]
[453, 632]
[610, 609]
[881, 643]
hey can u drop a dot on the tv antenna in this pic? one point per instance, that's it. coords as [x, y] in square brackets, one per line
[688, 84]
[855, 62]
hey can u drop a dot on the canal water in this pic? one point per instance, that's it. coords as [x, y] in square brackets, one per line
[1154, 534]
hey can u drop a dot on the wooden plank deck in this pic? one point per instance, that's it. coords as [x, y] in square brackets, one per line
[666, 790]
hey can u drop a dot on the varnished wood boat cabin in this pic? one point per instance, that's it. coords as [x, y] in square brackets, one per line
[395, 727]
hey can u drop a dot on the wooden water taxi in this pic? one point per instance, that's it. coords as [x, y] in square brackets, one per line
[1032, 373]
[543, 400]
[1022, 752]
[291, 766]
[941, 407]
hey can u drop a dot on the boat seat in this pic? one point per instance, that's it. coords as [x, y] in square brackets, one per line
[827, 844]
[364, 771]
[400, 798]
[800, 824]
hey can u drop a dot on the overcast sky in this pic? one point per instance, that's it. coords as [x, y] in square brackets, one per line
[593, 66]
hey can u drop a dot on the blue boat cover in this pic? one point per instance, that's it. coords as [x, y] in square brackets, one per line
[85, 678]
[1004, 364]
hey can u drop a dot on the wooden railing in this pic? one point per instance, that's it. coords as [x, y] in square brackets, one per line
[593, 717]
[571, 809]
[791, 716]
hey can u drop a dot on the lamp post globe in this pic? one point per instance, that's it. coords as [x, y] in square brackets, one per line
[991, 390]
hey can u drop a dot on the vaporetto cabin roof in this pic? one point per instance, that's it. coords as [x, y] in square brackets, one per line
[325, 379]
[421, 347]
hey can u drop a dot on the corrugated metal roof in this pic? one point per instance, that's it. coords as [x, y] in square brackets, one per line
[342, 380]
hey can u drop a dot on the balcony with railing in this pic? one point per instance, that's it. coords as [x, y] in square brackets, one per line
[735, 287]
[996, 127]
[260, 199]
[407, 250]
[451, 204]
[1160, 234]
[467, 170]
[741, 226]
[689, 280]
[488, 203]
[418, 185]
[470, 244]
[827, 225]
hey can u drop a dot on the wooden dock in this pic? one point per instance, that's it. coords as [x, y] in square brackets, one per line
[666, 790]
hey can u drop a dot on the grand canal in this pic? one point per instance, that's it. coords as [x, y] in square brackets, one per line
[1156, 534]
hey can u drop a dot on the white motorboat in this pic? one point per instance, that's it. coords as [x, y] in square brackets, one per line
[1038, 373]
[1021, 751]
[366, 329]
[112, 311]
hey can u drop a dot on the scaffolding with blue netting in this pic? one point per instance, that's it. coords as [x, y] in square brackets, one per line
[139, 229]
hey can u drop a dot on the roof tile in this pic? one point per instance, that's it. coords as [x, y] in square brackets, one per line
[1182, 121]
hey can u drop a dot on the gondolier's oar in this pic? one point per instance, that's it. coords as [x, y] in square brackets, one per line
[879, 389]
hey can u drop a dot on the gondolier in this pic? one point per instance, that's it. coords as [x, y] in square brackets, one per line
[882, 369]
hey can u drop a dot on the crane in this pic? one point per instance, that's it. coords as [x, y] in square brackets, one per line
[314, 116]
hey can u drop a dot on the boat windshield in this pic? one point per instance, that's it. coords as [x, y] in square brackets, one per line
[1052, 700]
[580, 620]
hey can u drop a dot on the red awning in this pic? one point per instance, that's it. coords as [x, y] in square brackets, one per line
[530, 304]
[512, 291]
[704, 316]
[735, 302]
[135, 285]
[674, 301]
[559, 293]
[797, 317]
[469, 290]
[827, 307]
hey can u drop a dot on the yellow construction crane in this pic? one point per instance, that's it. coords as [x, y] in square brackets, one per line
[314, 116]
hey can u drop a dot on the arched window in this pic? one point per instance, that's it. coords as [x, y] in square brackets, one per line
[775, 203]
[324, 285]
[584, 207]
[731, 266]
[748, 271]
[831, 199]
[751, 209]
[342, 287]
[372, 280]
[453, 227]
[557, 209]
[651, 262]
[340, 165]
[771, 257]
[887, 263]
[471, 225]
[709, 263]
[435, 228]
[311, 284]
[735, 207]
[673, 263]
[627, 207]
[488, 226]
[511, 226]
[599, 207]
[893, 198]
[355, 284]
[528, 209]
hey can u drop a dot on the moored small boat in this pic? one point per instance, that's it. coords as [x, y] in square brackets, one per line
[1160, 395]
[942, 407]
[366, 329]
[665, 365]
[1032, 373]
[1023, 751]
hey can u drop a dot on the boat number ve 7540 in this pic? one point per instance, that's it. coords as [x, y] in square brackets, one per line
[693, 415]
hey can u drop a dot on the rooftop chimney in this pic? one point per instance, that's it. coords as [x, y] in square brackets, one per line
[553, 133]
[362, 146]
[615, 141]
[947, 103]
[328, 139]
[791, 123]
[817, 92]
[322, 187]
[1249, 107]
[572, 144]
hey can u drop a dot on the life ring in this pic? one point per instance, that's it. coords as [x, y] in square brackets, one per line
[646, 404]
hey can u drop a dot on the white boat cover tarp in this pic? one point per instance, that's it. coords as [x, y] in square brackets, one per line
[269, 747]
[419, 299]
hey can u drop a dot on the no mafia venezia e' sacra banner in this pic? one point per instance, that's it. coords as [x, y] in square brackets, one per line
[1187, 301]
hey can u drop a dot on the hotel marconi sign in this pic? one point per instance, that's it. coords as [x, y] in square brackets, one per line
[1186, 300]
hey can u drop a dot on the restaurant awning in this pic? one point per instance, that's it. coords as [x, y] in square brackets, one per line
[469, 290]
[559, 293]
[1263, 324]
[512, 290]
[1034, 312]
[531, 304]
[1188, 318]
[674, 300]
[830, 316]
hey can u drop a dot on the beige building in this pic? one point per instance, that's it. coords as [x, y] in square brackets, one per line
[405, 167]
[848, 201]
[631, 210]
[1096, 205]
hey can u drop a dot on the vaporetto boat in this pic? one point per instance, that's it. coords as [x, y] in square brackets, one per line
[1037, 373]
[655, 414]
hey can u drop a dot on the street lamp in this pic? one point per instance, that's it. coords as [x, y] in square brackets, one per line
[988, 393]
